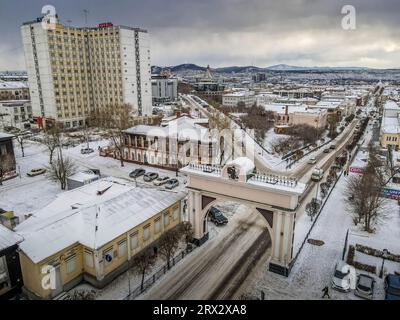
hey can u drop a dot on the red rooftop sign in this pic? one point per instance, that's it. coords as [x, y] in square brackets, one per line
[105, 25]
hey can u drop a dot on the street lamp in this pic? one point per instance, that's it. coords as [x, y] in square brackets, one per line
[385, 255]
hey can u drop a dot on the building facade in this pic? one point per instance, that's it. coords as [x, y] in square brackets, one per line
[247, 98]
[16, 113]
[73, 71]
[172, 146]
[164, 89]
[94, 240]
[10, 270]
[390, 127]
[7, 156]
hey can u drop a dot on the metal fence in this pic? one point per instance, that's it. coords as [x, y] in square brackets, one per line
[158, 274]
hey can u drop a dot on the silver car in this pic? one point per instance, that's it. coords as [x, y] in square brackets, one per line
[365, 287]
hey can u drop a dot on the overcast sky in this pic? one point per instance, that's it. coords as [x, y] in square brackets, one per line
[230, 32]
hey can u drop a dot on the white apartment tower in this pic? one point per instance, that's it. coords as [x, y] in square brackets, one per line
[73, 71]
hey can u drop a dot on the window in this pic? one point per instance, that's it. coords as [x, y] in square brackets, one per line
[157, 225]
[71, 264]
[89, 259]
[134, 241]
[166, 219]
[122, 248]
[176, 213]
[146, 233]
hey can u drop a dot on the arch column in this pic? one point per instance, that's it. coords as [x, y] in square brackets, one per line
[195, 217]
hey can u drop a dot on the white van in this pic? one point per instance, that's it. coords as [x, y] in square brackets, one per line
[317, 175]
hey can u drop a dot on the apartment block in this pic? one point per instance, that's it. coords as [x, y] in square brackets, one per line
[74, 71]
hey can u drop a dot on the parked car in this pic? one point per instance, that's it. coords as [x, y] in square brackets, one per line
[332, 147]
[392, 287]
[150, 176]
[171, 184]
[36, 172]
[312, 160]
[217, 217]
[327, 150]
[341, 277]
[160, 181]
[87, 151]
[365, 286]
[137, 173]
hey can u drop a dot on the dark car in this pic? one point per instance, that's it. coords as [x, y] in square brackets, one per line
[392, 287]
[137, 173]
[171, 184]
[217, 217]
[327, 150]
[150, 176]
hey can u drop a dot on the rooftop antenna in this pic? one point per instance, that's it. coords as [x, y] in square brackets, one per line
[86, 13]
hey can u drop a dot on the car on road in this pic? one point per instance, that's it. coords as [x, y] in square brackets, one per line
[365, 287]
[150, 176]
[171, 184]
[160, 181]
[36, 172]
[87, 151]
[137, 173]
[392, 287]
[312, 160]
[332, 147]
[217, 217]
[327, 150]
[341, 277]
[317, 175]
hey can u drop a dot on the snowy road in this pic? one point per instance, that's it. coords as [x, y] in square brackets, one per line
[219, 267]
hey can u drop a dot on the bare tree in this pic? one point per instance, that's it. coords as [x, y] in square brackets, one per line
[7, 164]
[143, 262]
[114, 120]
[219, 121]
[52, 141]
[364, 195]
[169, 242]
[186, 230]
[60, 169]
[312, 208]
[21, 138]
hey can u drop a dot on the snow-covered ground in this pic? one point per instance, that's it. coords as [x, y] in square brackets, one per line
[24, 195]
[315, 265]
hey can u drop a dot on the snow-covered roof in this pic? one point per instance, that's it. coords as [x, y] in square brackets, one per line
[13, 85]
[91, 219]
[239, 94]
[5, 135]
[281, 108]
[8, 238]
[183, 128]
[390, 125]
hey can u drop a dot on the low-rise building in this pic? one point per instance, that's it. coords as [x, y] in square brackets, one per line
[10, 270]
[14, 90]
[171, 146]
[290, 115]
[92, 234]
[390, 127]
[16, 113]
[247, 98]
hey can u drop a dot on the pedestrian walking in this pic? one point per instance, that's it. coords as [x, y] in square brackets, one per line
[326, 292]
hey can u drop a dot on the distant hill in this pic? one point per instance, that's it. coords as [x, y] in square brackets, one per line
[241, 69]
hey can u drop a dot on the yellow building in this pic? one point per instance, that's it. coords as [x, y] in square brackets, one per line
[390, 127]
[91, 233]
